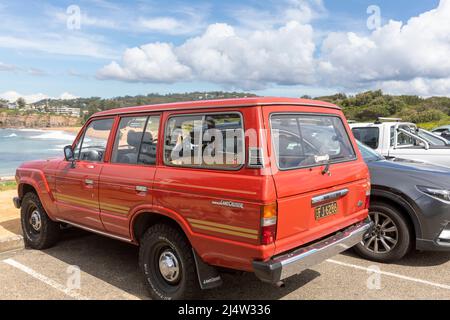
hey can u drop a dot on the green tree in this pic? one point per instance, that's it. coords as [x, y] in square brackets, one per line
[21, 103]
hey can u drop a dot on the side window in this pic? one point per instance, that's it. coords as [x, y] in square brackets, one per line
[402, 138]
[92, 146]
[213, 141]
[368, 136]
[147, 154]
[136, 140]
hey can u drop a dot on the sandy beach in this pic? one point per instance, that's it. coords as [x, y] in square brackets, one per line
[73, 130]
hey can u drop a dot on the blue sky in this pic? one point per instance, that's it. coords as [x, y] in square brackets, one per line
[286, 48]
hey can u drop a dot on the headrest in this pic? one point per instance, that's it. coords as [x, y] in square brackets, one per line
[134, 138]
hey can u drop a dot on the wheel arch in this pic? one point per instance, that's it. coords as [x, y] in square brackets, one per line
[402, 202]
[24, 188]
[141, 221]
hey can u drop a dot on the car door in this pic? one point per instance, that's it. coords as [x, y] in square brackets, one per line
[77, 182]
[127, 178]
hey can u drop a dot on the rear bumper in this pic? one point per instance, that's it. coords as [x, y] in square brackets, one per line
[300, 259]
[17, 202]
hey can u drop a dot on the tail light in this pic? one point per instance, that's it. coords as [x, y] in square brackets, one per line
[268, 223]
[367, 205]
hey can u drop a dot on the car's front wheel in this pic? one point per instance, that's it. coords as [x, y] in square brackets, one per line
[167, 262]
[39, 231]
[390, 239]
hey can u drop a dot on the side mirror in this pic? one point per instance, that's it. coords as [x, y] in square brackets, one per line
[68, 153]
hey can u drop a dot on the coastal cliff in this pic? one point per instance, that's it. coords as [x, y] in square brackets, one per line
[36, 121]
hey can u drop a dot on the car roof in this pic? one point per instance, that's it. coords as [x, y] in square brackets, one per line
[372, 124]
[239, 102]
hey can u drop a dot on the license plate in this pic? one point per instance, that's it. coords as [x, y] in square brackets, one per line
[326, 210]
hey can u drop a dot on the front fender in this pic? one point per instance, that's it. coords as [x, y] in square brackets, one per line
[37, 179]
[402, 200]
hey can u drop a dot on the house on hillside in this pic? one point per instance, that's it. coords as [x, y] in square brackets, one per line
[65, 110]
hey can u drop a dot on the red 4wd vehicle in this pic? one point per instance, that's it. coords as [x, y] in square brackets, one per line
[265, 185]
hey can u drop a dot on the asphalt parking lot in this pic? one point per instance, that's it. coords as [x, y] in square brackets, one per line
[108, 270]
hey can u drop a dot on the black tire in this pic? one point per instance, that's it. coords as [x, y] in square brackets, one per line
[402, 235]
[48, 232]
[163, 239]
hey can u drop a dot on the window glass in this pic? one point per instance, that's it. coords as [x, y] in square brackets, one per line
[128, 140]
[136, 140]
[430, 138]
[147, 154]
[403, 139]
[310, 140]
[211, 141]
[368, 136]
[93, 144]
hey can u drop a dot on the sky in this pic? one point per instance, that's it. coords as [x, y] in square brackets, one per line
[105, 48]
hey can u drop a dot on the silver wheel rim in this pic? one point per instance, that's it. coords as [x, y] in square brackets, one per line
[169, 266]
[384, 236]
[35, 220]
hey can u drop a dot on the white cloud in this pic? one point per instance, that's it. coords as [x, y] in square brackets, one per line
[395, 53]
[221, 55]
[279, 47]
[12, 96]
[418, 86]
[154, 62]
[169, 25]
[67, 96]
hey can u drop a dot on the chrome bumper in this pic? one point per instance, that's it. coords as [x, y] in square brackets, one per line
[298, 260]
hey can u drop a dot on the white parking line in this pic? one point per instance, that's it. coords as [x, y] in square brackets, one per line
[390, 274]
[45, 279]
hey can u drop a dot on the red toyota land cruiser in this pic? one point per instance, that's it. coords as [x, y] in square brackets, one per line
[265, 185]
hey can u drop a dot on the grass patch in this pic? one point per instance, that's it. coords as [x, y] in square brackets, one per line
[435, 124]
[8, 185]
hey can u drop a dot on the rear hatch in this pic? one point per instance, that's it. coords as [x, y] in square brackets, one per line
[321, 181]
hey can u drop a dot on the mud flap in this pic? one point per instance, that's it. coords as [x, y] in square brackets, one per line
[208, 276]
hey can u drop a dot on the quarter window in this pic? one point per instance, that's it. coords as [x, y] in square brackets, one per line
[213, 141]
[92, 146]
[136, 140]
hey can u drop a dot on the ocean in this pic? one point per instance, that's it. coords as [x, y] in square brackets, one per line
[20, 145]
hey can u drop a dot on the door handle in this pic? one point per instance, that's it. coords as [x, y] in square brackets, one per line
[141, 189]
[89, 182]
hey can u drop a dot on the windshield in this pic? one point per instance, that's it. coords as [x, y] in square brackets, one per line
[369, 154]
[310, 140]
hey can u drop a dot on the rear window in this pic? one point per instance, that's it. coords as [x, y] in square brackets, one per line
[309, 140]
[368, 136]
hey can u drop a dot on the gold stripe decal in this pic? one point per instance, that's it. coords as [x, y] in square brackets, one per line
[223, 228]
[92, 204]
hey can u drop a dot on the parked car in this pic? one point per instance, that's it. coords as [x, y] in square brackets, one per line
[410, 206]
[396, 139]
[443, 131]
[196, 192]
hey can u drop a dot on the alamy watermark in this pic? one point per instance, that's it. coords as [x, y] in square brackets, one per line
[374, 19]
[73, 278]
[374, 279]
[73, 21]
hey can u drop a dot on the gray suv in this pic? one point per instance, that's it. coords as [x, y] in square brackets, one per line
[410, 206]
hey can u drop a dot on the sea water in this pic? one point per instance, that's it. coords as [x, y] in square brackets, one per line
[20, 145]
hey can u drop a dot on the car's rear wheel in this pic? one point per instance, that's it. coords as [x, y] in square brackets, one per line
[390, 239]
[168, 265]
[39, 231]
